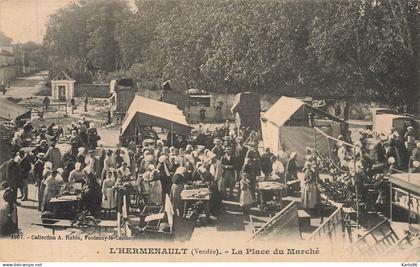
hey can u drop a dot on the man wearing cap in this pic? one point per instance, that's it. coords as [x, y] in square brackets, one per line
[218, 148]
[228, 171]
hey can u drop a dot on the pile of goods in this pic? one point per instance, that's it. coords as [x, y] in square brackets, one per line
[338, 191]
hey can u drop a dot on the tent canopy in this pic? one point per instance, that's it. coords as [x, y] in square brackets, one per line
[286, 107]
[147, 112]
[296, 136]
[10, 110]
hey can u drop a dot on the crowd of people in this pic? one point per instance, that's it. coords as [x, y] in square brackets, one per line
[221, 159]
[366, 162]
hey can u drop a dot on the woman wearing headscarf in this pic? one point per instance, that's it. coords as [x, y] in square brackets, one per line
[247, 169]
[118, 158]
[52, 188]
[109, 202]
[45, 174]
[245, 199]
[109, 163]
[91, 196]
[144, 181]
[311, 198]
[216, 195]
[178, 181]
[164, 175]
[155, 185]
[77, 175]
[291, 168]
[81, 158]
[54, 156]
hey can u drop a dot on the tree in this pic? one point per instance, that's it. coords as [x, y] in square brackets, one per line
[84, 31]
[5, 40]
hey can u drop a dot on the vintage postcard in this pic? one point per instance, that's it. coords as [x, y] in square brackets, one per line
[210, 130]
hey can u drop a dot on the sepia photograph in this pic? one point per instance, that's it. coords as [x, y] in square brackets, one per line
[210, 131]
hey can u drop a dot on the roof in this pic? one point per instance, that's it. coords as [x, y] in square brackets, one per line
[286, 107]
[6, 53]
[62, 76]
[10, 110]
[148, 112]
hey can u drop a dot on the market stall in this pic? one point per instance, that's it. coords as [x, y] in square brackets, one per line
[270, 195]
[405, 199]
[193, 197]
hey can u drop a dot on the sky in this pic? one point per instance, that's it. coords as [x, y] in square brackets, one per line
[25, 20]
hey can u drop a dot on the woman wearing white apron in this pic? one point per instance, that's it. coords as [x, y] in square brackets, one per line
[109, 202]
[155, 186]
[146, 180]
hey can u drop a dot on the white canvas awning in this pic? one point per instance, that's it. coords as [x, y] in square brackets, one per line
[282, 110]
[147, 112]
[295, 137]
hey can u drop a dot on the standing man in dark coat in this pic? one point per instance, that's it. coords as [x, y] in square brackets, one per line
[266, 165]
[38, 170]
[240, 153]
[26, 166]
[218, 148]
[13, 175]
[86, 101]
[228, 171]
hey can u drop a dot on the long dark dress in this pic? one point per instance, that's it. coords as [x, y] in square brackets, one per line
[310, 195]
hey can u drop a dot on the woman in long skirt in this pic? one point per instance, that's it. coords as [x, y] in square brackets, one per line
[178, 181]
[109, 201]
[311, 198]
[155, 187]
[245, 199]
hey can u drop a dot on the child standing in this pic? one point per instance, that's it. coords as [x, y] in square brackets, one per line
[245, 200]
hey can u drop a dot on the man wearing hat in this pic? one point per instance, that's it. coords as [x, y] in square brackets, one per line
[13, 173]
[25, 165]
[42, 147]
[75, 142]
[218, 148]
[266, 164]
[228, 171]
[240, 153]
[410, 132]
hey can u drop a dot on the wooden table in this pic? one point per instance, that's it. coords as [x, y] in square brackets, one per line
[195, 195]
[269, 186]
[65, 207]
